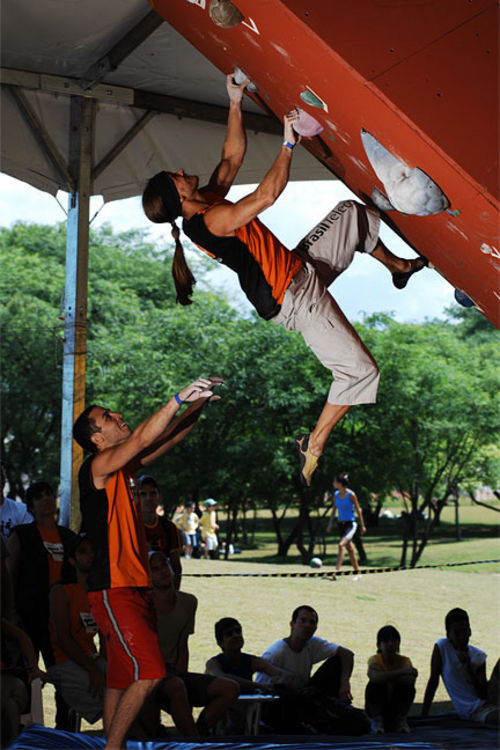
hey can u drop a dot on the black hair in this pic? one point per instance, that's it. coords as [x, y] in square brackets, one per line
[84, 428]
[160, 199]
[147, 479]
[161, 203]
[388, 632]
[342, 478]
[36, 489]
[455, 615]
[297, 610]
[222, 625]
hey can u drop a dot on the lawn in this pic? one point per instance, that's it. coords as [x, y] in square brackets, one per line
[350, 613]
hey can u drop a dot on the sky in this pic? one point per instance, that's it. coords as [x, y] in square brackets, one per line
[364, 288]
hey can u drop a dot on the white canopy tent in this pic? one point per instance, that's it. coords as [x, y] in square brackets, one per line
[95, 98]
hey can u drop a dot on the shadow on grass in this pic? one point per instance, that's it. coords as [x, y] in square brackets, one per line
[388, 534]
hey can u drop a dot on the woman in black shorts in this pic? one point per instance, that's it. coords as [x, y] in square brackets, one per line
[345, 504]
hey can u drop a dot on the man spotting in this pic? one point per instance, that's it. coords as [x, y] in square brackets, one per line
[118, 581]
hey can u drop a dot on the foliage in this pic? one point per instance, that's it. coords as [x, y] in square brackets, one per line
[431, 429]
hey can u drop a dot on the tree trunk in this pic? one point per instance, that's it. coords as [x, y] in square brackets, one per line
[358, 543]
[458, 533]
[404, 545]
[232, 520]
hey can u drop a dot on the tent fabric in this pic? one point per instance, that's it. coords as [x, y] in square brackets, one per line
[65, 38]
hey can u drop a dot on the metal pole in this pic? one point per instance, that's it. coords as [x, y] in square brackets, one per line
[75, 318]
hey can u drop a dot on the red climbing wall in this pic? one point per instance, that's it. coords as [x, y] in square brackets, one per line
[420, 76]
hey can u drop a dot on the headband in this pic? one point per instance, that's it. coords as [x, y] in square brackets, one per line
[170, 196]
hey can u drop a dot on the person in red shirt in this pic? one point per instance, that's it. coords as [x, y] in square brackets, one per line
[118, 581]
[162, 535]
[79, 670]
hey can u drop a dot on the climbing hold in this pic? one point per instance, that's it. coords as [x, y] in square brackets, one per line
[463, 299]
[410, 191]
[309, 98]
[306, 124]
[224, 13]
[239, 76]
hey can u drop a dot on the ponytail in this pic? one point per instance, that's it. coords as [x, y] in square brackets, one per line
[342, 478]
[161, 203]
[183, 278]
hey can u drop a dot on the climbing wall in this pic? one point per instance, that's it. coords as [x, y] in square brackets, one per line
[405, 95]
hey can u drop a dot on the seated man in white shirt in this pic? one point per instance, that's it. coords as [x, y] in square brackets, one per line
[463, 670]
[301, 649]
[296, 655]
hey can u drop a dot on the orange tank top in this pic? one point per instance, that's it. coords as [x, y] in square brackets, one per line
[83, 627]
[55, 552]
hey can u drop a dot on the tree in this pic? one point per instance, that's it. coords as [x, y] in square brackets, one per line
[433, 419]
[431, 428]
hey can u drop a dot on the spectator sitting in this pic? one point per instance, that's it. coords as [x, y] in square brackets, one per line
[7, 607]
[79, 671]
[35, 560]
[296, 654]
[463, 669]
[391, 687]
[14, 680]
[12, 512]
[161, 534]
[209, 527]
[190, 522]
[182, 689]
[238, 665]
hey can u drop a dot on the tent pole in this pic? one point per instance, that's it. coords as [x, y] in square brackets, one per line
[75, 317]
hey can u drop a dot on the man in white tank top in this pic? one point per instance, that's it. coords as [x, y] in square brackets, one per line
[463, 669]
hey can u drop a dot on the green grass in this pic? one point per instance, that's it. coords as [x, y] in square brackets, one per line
[479, 531]
[350, 613]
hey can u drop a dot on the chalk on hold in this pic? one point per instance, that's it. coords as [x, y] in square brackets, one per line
[224, 13]
[410, 191]
[239, 76]
[306, 124]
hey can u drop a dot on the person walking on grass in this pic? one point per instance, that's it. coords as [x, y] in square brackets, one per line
[345, 503]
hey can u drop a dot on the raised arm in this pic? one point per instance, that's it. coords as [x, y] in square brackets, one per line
[430, 690]
[156, 434]
[223, 219]
[175, 432]
[235, 143]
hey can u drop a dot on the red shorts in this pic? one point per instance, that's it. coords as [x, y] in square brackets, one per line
[125, 617]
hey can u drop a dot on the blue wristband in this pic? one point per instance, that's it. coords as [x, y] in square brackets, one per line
[289, 145]
[178, 399]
